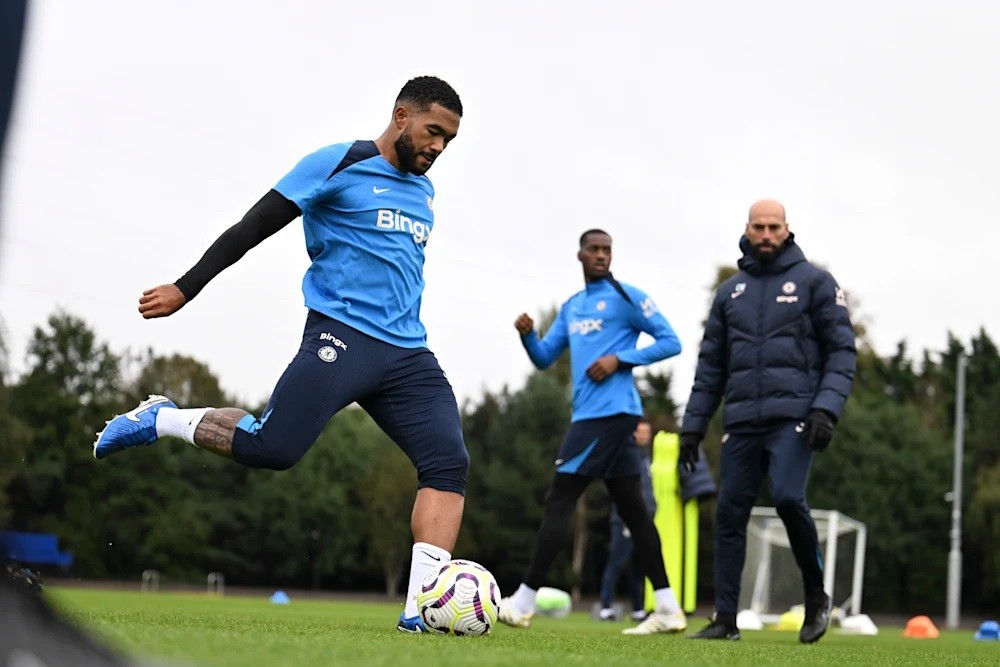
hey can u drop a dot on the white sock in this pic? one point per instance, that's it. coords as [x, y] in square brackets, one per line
[179, 423]
[523, 599]
[426, 558]
[666, 602]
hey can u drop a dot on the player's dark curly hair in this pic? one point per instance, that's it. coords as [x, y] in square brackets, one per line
[583, 237]
[424, 91]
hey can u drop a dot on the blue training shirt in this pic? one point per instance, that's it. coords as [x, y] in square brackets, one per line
[366, 226]
[598, 321]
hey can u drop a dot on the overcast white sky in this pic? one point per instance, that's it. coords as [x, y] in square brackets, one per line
[143, 130]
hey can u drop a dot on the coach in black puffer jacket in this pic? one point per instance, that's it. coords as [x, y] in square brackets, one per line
[778, 344]
[779, 348]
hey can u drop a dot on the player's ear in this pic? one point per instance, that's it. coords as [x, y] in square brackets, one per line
[401, 116]
[579, 254]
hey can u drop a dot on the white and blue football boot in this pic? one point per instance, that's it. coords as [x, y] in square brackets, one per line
[135, 427]
[413, 625]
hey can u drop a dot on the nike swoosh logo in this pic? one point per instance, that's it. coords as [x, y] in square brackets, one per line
[379, 191]
[133, 414]
[437, 558]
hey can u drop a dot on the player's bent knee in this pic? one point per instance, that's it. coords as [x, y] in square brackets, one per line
[446, 472]
[444, 479]
[731, 512]
[788, 504]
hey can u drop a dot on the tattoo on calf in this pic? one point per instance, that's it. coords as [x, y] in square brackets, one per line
[216, 429]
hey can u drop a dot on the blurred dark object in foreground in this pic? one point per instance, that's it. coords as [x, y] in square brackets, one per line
[13, 16]
[32, 633]
[24, 576]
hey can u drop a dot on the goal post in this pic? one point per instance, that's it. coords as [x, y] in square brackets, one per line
[771, 581]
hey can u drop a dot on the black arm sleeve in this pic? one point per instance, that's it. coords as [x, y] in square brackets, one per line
[266, 217]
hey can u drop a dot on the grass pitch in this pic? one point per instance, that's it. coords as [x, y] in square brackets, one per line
[202, 631]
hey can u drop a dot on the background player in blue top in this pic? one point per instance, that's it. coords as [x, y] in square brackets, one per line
[601, 326]
[367, 212]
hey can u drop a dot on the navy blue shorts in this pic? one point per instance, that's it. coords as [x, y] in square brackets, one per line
[403, 389]
[602, 448]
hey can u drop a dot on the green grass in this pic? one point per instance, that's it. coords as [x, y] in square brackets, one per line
[245, 632]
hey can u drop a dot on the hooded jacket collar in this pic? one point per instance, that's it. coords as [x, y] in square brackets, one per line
[790, 255]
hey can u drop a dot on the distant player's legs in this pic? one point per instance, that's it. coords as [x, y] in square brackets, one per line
[626, 492]
[636, 585]
[590, 448]
[619, 553]
[553, 534]
[416, 407]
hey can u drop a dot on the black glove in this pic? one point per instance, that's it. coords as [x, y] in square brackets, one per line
[689, 451]
[818, 429]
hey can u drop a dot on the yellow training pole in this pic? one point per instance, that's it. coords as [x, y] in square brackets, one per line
[669, 518]
[689, 601]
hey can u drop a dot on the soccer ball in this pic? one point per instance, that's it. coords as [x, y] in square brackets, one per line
[460, 597]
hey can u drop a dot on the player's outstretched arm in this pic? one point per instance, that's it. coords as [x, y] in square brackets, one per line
[266, 217]
[542, 352]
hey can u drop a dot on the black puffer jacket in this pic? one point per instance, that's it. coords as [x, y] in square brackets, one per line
[778, 343]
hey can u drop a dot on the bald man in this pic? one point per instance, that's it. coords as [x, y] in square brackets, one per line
[779, 348]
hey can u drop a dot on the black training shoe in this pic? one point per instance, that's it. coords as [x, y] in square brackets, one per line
[817, 620]
[717, 630]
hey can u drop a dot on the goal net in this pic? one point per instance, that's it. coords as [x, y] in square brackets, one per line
[772, 583]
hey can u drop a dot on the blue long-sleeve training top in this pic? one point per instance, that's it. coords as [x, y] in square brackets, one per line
[598, 321]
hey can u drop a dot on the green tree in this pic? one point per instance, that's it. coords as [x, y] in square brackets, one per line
[657, 401]
[14, 437]
[885, 469]
[308, 523]
[984, 529]
[512, 440]
[186, 380]
[981, 568]
[71, 383]
[386, 508]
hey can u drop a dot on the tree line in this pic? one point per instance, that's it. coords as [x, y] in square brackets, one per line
[339, 520]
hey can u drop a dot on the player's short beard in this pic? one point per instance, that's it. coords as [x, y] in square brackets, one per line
[407, 154]
[767, 257]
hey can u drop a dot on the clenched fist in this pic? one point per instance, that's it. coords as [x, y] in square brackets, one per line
[524, 324]
[161, 301]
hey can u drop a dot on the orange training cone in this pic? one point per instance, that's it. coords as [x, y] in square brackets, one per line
[920, 627]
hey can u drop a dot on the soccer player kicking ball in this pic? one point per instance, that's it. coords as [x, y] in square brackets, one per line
[601, 326]
[366, 209]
